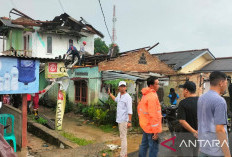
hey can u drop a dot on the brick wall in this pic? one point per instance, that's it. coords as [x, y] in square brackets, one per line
[7, 109]
[130, 62]
[177, 80]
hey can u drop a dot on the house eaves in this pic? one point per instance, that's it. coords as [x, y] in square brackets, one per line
[179, 59]
[206, 52]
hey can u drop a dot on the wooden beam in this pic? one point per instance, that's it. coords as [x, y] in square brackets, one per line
[24, 121]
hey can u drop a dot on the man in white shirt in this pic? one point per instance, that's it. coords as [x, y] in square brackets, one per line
[124, 114]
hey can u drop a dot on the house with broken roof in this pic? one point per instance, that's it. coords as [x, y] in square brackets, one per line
[45, 39]
[223, 64]
[187, 65]
[88, 85]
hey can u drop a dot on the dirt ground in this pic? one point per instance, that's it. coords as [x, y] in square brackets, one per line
[37, 145]
[77, 126]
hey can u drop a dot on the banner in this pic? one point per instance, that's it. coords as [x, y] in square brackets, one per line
[18, 76]
[61, 101]
[54, 70]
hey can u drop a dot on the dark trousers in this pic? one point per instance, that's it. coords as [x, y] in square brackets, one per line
[187, 144]
[74, 54]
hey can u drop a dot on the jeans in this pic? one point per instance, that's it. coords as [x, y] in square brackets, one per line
[148, 142]
[74, 54]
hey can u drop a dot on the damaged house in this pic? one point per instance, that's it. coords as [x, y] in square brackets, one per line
[187, 65]
[25, 36]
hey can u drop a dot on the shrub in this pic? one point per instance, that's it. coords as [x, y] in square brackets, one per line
[100, 116]
[69, 105]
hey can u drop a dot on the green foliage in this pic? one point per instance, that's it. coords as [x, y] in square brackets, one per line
[69, 105]
[91, 111]
[79, 141]
[113, 83]
[100, 46]
[41, 120]
[100, 116]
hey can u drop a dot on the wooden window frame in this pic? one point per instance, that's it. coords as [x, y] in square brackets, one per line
[80, 83]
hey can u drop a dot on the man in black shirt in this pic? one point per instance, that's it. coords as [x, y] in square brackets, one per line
[187, 116]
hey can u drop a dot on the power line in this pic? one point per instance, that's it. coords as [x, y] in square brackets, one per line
[61, 5]
[105, 20]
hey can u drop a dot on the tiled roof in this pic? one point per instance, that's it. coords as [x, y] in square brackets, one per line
[180, 58]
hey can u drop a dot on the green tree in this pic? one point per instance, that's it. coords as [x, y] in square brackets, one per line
[100, 46]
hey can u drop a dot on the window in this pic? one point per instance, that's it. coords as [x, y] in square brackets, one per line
[27, 44]
[49, 44]
[81, 91]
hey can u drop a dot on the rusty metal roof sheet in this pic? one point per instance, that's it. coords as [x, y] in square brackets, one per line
[33, 58]
[8, 23]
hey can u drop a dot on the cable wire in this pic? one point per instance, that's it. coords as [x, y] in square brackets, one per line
[61, 5]
[105, 21]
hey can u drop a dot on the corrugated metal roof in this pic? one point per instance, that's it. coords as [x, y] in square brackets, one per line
[8, 23]
[110, 75]
[180, 58]
[220, 64]
[33, 58]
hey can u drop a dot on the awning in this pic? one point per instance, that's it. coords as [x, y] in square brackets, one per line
[112, 75]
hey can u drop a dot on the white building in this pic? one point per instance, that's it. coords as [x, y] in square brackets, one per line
[45, 39]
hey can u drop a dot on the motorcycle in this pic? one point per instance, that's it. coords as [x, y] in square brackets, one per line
[170, 113]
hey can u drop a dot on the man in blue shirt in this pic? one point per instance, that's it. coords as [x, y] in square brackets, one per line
[212, 118]
[173, 96]
[73, 51]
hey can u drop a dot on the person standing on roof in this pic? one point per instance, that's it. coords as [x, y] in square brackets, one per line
[83, 52]
[73, 51]
[150, 118]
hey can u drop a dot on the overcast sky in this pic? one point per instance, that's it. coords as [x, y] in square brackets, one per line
[176, 24]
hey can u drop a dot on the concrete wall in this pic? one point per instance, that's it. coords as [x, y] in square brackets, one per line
[7, 109]
[177, 80]
[93, 78]
[38, 43]
[15, 38]
[60, 44]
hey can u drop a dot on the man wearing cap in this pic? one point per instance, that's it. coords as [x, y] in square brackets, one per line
[187, 115]
[124, 114]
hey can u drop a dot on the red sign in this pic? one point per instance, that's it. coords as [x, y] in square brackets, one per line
[173, 142]
[60, 95]
[52, 67]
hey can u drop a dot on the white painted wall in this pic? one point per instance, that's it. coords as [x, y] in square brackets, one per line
[1, 46]
[60, 44]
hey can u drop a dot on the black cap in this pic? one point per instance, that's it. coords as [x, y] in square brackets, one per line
[189, 85]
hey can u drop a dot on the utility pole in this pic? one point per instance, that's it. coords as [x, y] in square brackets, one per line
[114, 26]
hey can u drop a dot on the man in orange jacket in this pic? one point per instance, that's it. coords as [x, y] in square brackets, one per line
[150, 118]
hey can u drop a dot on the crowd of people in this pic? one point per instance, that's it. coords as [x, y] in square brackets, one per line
[203, 119]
